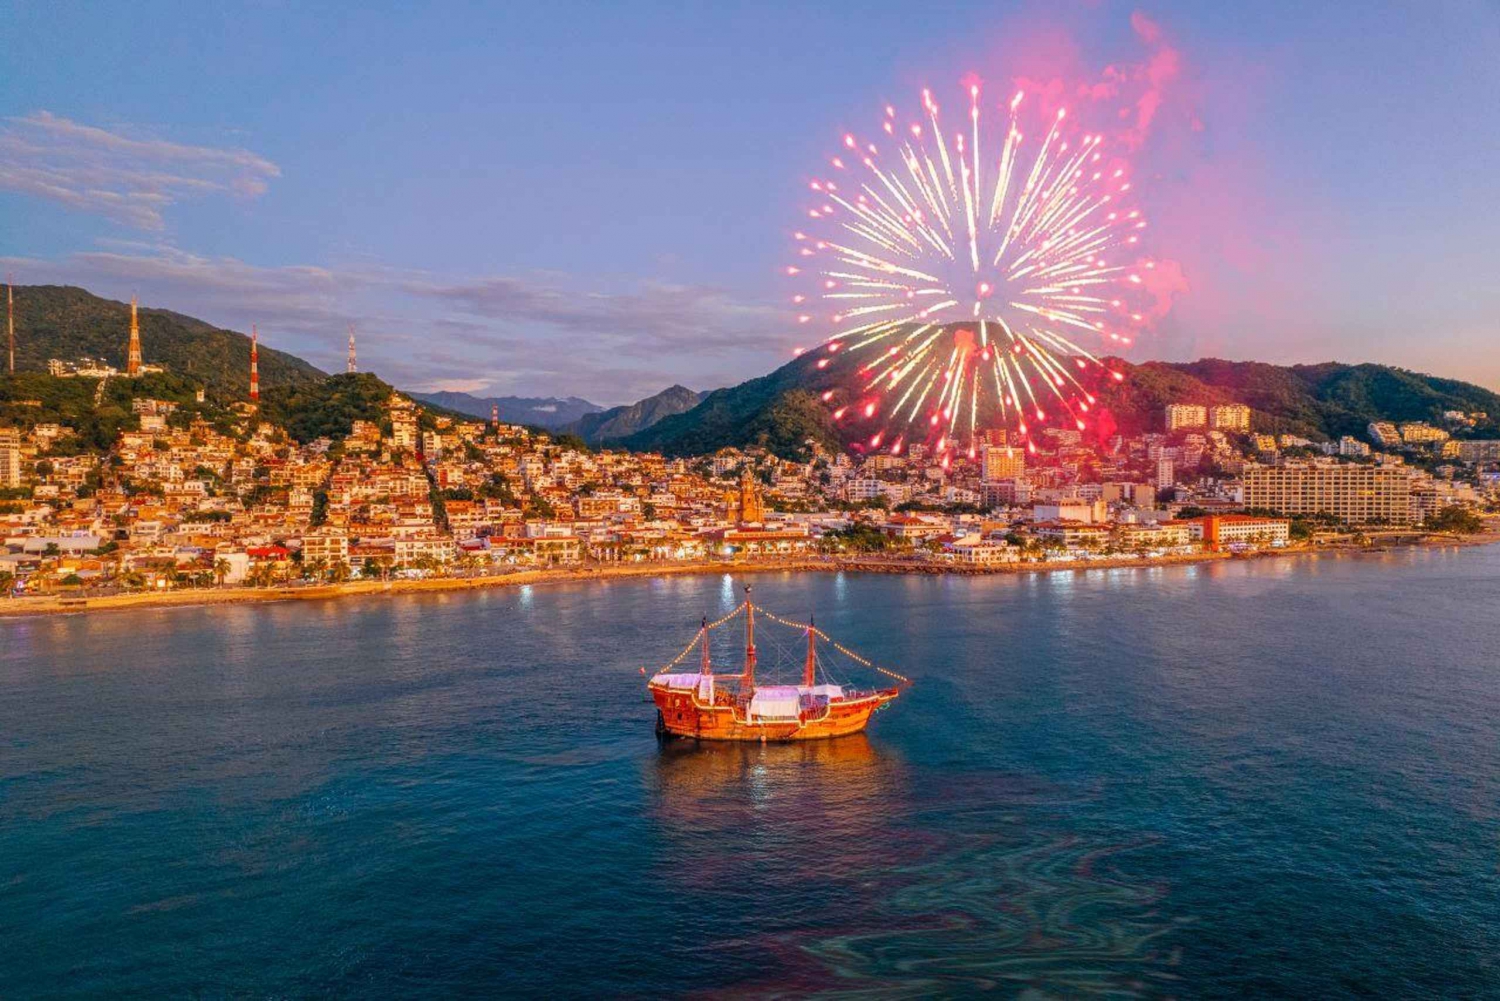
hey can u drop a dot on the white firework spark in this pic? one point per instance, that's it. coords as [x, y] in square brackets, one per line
[965, 279]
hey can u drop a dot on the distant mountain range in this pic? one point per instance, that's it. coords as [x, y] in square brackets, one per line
[621, 422]
[61, 321]
[781, 410]
[537, 411]
[571, 415]
[784, 409]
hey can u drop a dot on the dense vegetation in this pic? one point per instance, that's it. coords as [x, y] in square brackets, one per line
[1458, 520]
[327, 408]
[60, 321]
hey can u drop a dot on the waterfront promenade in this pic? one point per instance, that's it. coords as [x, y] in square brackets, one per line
[79, 602]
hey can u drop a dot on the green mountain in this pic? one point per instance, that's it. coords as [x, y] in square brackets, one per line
[780, 411]
[784, 409]
[1318, 401]
[60, 321]
[621, 422]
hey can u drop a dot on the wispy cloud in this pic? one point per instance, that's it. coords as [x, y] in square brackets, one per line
[646, 320]
[129, 181]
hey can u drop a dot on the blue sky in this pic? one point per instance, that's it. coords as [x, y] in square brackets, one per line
[595, 199]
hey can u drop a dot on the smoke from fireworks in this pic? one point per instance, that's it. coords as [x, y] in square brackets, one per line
[969, 275]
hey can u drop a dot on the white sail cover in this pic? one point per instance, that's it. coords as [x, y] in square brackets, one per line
[703, 682]
[776, 702]
[677, 680]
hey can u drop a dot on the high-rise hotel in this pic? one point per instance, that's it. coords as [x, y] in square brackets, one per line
[1234, 417]
[1351, 492]
[10, 457]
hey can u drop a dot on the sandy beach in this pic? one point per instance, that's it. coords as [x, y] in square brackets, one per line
[66, 604]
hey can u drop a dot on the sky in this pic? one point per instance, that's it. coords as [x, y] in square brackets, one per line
[597, 199]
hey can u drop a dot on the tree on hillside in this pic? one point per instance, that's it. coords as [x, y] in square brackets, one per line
[1458, 520]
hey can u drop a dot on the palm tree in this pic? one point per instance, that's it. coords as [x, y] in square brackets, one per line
[221, 569]
[339, 572]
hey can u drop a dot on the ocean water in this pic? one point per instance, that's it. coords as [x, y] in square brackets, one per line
[1269, 778]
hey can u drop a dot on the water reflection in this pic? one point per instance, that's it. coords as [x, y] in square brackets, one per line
[797, 800]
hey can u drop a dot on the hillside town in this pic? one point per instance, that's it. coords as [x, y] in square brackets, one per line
[178, 503]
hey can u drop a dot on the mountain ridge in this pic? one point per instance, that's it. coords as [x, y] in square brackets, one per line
[784, 408]
[550, 412]
[623, 421]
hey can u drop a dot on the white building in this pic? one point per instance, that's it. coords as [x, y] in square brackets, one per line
[1166, 473]
[1352, 447]
[1094, 512]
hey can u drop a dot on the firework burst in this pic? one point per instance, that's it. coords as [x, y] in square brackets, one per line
[966, 274]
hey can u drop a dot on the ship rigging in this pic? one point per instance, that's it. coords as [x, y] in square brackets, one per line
[712, 705]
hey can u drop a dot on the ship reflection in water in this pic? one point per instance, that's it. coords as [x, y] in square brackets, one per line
[853, 876]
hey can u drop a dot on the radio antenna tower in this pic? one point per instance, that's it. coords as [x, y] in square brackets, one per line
[10, 319]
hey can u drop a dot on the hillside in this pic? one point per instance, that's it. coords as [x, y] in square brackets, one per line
[1319, 401]
[621, 422]
[537, 411]
[60, 321]
[29, 398]
[781, 410]
[327, 408]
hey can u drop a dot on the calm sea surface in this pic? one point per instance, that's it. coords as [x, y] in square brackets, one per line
[1268, 778]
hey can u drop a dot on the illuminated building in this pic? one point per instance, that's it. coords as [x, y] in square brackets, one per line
[1230, 417]
[1002, 462]
[1186, 415]
[1352, 493]
[10, 457]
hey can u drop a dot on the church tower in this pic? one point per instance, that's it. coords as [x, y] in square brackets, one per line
[752, 508]
[353, 366]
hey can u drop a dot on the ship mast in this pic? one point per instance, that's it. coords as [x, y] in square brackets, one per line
[749, 678]
[707, 667]
[810, 669]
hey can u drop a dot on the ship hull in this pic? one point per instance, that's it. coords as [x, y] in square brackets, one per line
[680, 714]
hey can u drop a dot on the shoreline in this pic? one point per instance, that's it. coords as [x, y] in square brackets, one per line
[187, 598]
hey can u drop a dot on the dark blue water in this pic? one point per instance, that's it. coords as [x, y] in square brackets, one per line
[1253, 779]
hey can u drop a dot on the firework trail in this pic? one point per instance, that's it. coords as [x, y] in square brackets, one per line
[963, 272]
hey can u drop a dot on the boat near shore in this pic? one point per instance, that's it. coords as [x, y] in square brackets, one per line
[713, 705]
